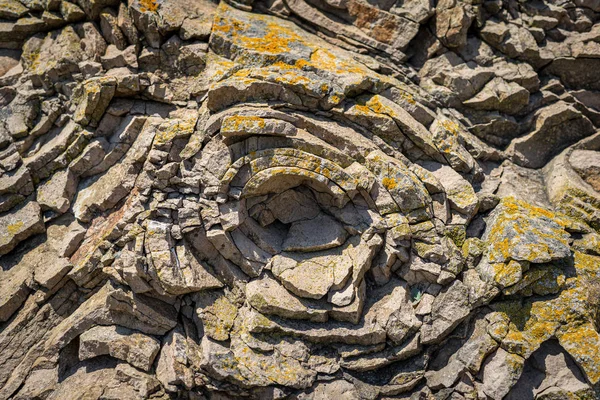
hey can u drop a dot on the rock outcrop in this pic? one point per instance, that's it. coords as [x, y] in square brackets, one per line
[299, 199]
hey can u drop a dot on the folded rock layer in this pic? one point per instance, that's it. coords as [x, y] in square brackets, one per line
[292, 199]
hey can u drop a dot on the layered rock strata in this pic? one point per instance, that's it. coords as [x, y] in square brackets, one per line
[297, 199]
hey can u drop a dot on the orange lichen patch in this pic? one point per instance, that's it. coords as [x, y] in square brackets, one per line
[170, 130]
[240, 123]
[587, 266]
[409, 98]
[565, 317]
[523, 232]
[218, 318]
[389, 183]
[280, 37]
[148, 5]
[450, 126]
[507, 274]
[583, 344]
[534, 322]
[276, 38]
[377, 106]
[324, 59]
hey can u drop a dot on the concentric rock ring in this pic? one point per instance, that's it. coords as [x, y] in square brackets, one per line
[303, 200]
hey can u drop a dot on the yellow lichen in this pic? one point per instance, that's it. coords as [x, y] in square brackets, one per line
[148, 5]
[15, 228]
[389, 183]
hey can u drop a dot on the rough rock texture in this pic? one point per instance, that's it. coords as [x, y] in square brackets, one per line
[297, 199]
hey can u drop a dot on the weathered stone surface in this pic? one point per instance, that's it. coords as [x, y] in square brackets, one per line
[56, 193]
[550, 372]
[111, 381]
[320, 233]
[556, 126]
[21, 223]
[500, 373]
[499, 95]
[447, 311]
[587, 164]
[171, 368]
[15, 289]
[137, 349]
[269, 297]
[518, 231]
[106, 191]
[459, 192]
[299, 199]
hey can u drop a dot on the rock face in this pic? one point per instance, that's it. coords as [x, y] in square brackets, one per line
[299, 199]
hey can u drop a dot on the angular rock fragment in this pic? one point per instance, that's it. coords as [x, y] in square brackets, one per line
[320, 233]
[299, 199]
[137, 349]
[556, 127]
[19, 224]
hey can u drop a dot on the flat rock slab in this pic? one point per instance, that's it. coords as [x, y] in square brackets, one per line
[137, 349]
[320, 233]
[19, 225]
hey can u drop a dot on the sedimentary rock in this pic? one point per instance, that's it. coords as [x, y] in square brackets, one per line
[299, 199]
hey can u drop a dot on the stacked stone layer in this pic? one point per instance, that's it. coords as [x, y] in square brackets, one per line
[299, 199]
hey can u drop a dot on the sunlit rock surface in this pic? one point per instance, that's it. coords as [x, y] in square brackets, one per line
[297, 199]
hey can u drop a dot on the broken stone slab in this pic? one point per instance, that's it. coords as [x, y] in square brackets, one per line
[239, 127]
[110, 28]
[19, 224]
[173, 266]
[312, 275]
[560, 377]
[71, 12]
[216, 314]
[269, 297]
[449, 308]
[248, 367]
[92, 98]
[500, 373]
[452, 21]
[469, 357]
[391, 354]
[12, 9]
[171, 368]
[320, 233]
[523, 184]
[93, 380]
[338, 389]
[105, 191]
[124, 344]
[65, 234]
[57, 192]
[587, 164]
[556, 127]
[499, 95]
[405, 189]
[14, 289]
[519, 231]
[48, 267]
[459, 192]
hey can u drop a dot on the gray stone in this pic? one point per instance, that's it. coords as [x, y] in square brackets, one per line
[500, 372]
[21, 223]
[319, 233]
[556, 126]
[587, 164]
[137, 349]
[448, 310]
